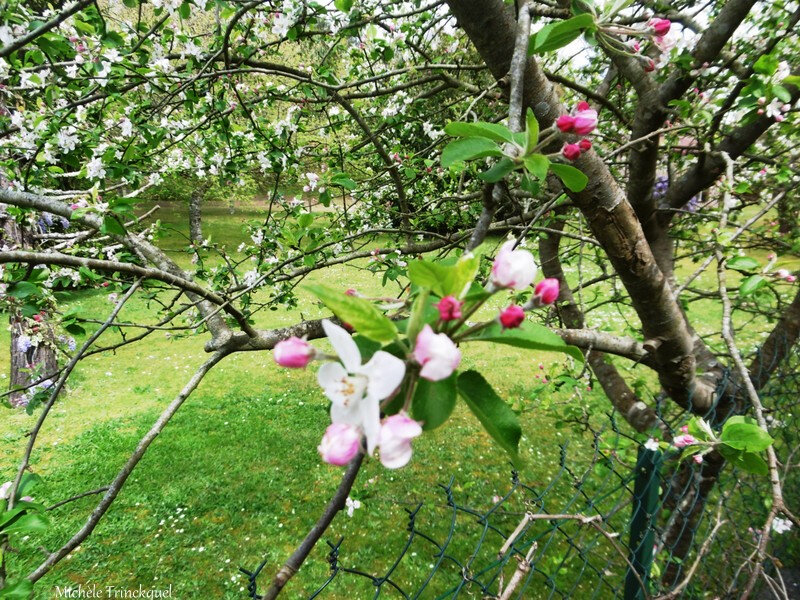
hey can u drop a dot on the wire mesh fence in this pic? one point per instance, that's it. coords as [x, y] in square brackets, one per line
[618, 521]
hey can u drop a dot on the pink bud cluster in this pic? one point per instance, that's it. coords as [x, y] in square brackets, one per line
[582, 122]
[786, 275]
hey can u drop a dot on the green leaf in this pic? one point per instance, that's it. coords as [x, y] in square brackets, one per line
[781, 93]
[445, 280]
[557, 35]
[26, 483]
[417, 319]
[752, 463]
[532, 130]
[357, 312]
[305, 220]
[434, 401]
[23, 289]
[743, 263]
[29, 523]
[468, 149]
[745, 435]
[480, 129]
[111, 226]
[343, 180]
[766, 65]
[18, 590]
[343, 5]
[500, 169]
[531, 336]
[572, 178]
[494, 414]
[537, 165]
[792, 80]
[751, 284]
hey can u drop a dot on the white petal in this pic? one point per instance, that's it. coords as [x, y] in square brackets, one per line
[394, 456]
[349, 415]
[371, 422]
[344, 345]
[385, 372]
[329, 377]
[436, 369]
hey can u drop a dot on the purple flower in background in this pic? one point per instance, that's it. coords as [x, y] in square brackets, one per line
[660, 187]
[24, 343]
[660, 191]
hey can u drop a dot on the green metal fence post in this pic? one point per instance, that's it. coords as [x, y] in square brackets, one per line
[642, 535]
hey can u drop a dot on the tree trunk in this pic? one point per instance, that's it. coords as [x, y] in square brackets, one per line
[33, 354]
[195, 216]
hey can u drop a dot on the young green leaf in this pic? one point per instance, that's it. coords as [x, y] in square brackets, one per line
[468, 149]
[494, 414]
[557, 35]
[434, 401]
[745, 436]
[529, 335]
[357, 312]
[743, 263]
[751, 284]
[537, 165]
[500, 169]
[532, 132]
[573, 179]
[479, 129]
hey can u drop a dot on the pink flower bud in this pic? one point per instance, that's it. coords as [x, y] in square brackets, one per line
[512, 317]
[565, 123]
[397, 432]
[684, 440]
[684, 429]
[660, 27]
[351, 292]
[571, 151]
[650, 65]
[585, 119]
[546, 290]
[698, 458]
[513, 268]
[293, 353]
[449, 308]
[585, 145]
[782, 273]
[437, 354]
[340, 444]
[791, 278]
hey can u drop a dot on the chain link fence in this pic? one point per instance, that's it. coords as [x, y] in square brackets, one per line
[619, 521]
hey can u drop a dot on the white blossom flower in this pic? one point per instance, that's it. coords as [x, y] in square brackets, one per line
[355, 390]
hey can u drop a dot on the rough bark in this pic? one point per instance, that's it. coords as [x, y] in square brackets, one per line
[37, 361]
[638, 415]
[196, 215]
[491, 27]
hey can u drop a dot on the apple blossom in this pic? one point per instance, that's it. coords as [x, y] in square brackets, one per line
[546, 291]
[397, 432]
[512, 317]
[585, 119]
[513, 268]
[684, 440]
[437, 354]
[294, 353]
[449, 308]
[340, 444]
[782, 273]
[660, 27]
[698, 458]
[565, 123]
[571, 151]
[651, 444]
[355, 390]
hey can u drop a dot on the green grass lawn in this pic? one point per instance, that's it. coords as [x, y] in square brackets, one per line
[236, 478]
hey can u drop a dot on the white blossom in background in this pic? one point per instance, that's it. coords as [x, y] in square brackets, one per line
[95, 168]
[780, 525]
